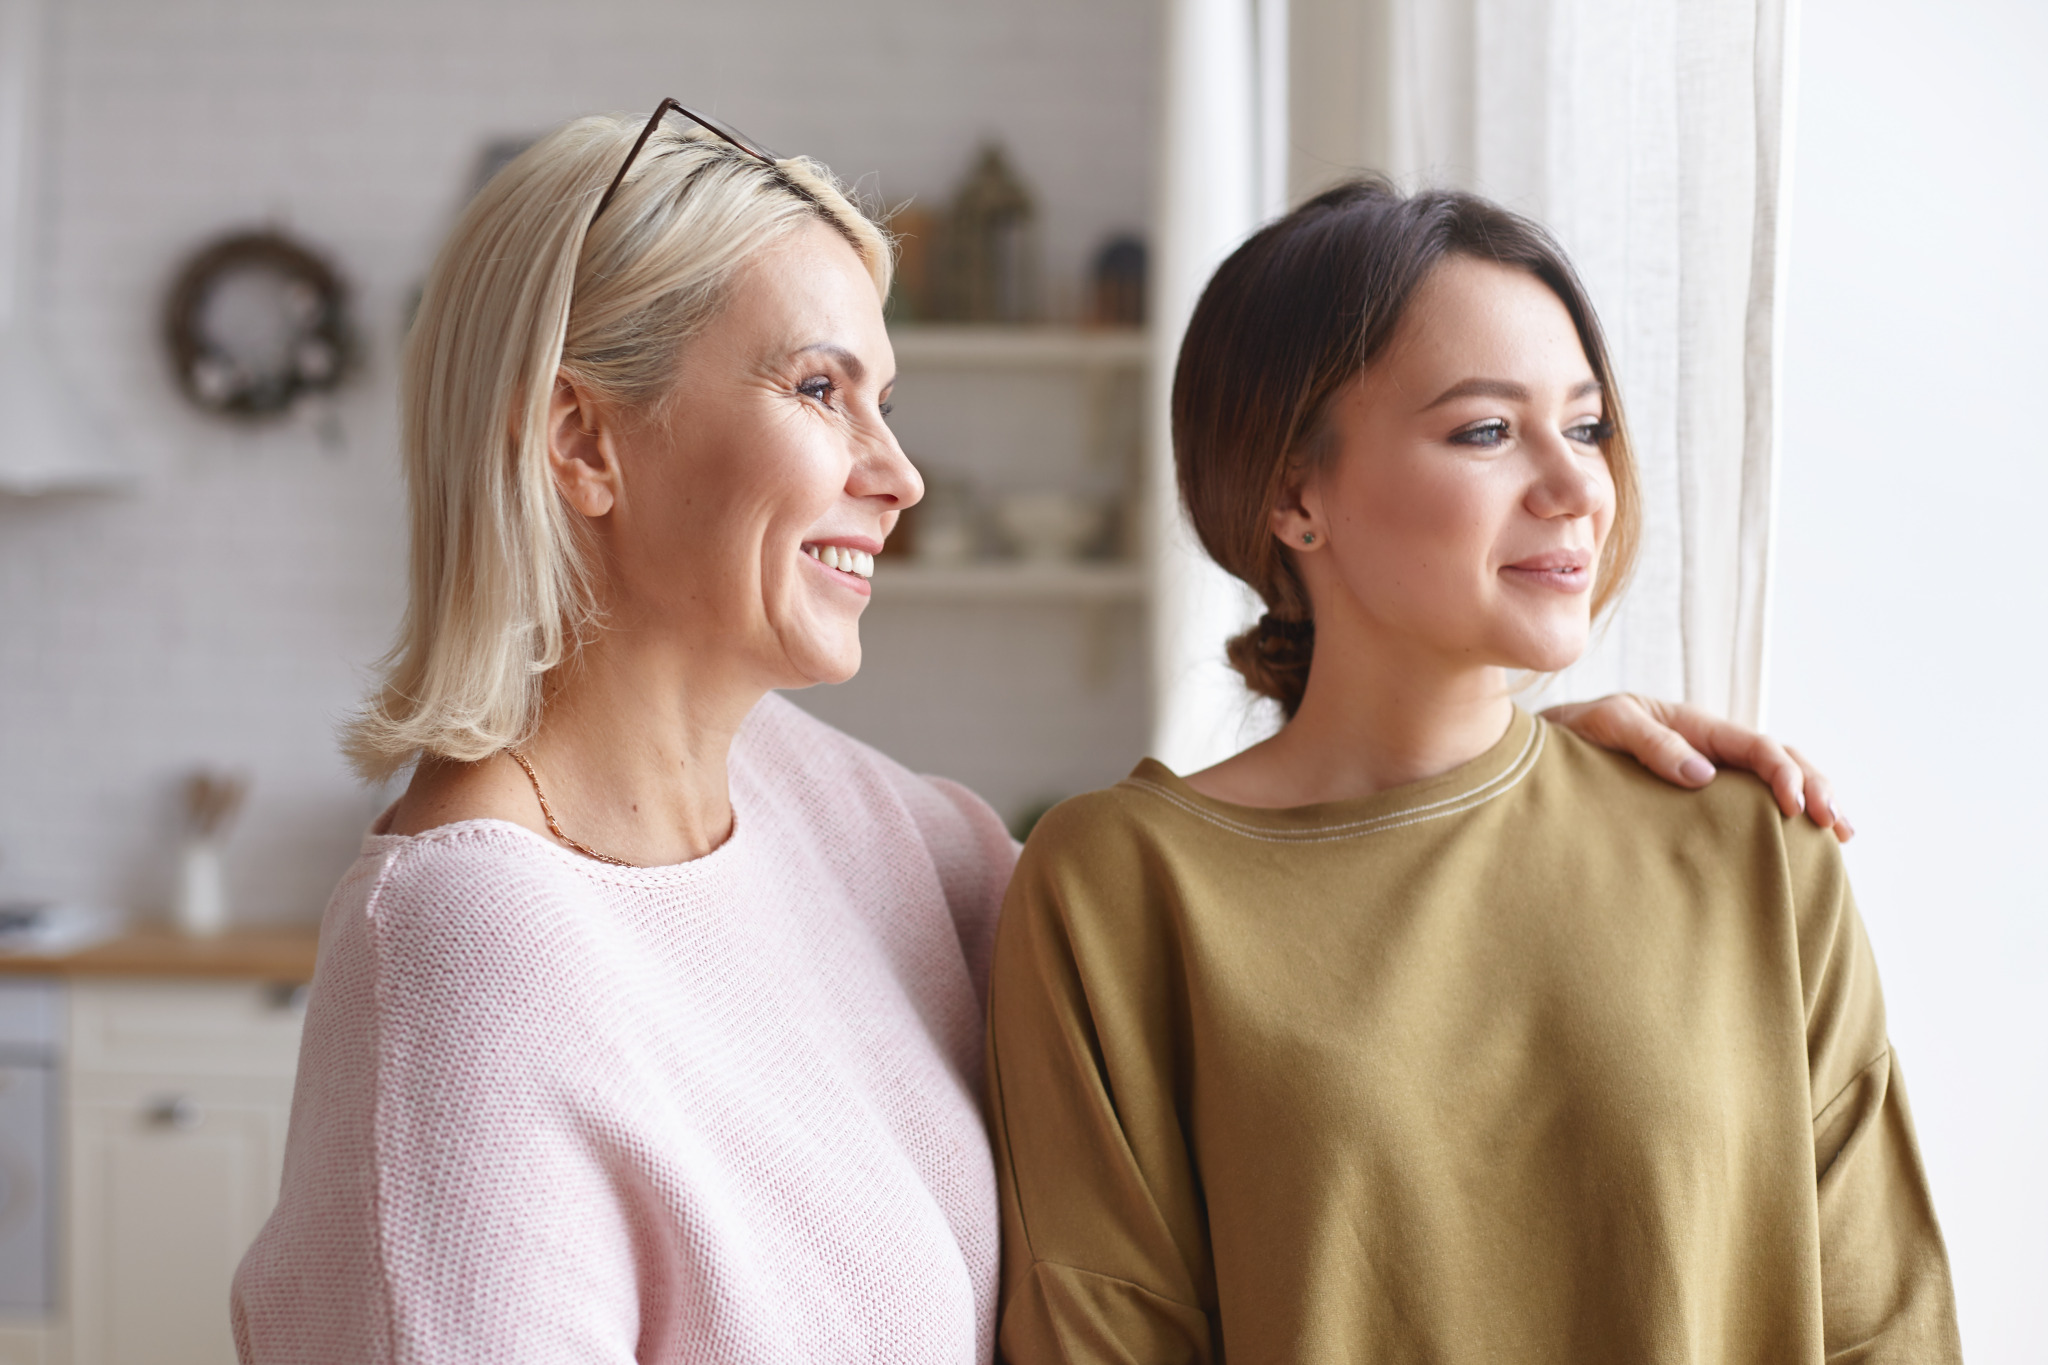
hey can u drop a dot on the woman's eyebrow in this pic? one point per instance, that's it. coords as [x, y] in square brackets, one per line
[1506, 390]
[847, 359]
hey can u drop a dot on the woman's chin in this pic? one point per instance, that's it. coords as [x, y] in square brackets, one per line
[1548, 653]
[828, 662]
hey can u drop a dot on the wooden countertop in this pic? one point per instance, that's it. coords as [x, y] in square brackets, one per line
[267, 954]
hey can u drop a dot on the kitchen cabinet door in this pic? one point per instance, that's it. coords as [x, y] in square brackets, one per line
[29, 1344]
[170, 1184]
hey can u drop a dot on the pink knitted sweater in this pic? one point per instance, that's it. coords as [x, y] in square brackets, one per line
[551, 1110]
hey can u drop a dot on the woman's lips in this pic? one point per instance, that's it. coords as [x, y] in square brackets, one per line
[849, 564]
[1566, 571]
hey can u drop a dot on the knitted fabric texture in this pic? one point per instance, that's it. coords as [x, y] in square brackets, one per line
[551, 1110]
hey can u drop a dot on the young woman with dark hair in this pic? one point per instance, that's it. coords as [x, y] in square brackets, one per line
[1424, 1030]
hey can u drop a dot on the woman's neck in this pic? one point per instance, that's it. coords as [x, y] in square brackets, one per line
[632, 749]
[631, 753]
[1374, 717]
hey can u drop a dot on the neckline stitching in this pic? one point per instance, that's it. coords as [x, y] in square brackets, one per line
[1501, 783]
[485, 829]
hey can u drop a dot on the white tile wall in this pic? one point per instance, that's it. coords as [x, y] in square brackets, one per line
[227, 610]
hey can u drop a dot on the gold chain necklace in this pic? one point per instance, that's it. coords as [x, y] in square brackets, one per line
[549, 815]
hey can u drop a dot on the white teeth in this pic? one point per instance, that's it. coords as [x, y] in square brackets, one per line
[844, 558]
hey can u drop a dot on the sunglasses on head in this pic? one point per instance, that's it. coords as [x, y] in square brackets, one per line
[704, 121]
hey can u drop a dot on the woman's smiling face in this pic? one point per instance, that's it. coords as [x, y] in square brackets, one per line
[1462, 500]
[769, 462]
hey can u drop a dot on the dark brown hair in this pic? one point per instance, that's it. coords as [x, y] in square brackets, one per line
[1291, 317]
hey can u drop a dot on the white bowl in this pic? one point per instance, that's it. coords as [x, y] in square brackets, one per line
[1049, 527]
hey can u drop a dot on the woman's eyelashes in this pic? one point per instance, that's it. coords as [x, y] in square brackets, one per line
[821, 389]
[1485, 435]
[1497, 431]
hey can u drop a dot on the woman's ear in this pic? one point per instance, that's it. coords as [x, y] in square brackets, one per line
[1297, 517]
[580, 450]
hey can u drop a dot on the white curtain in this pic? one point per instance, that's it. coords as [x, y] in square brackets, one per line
[1222, 172]
[1651, 136]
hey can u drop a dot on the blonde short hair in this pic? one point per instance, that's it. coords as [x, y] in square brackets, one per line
[527, 288]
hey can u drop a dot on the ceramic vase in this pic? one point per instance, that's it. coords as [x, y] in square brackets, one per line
[202, 907]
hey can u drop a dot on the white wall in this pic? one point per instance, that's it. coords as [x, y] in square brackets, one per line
[1911, 590]
[226, 612]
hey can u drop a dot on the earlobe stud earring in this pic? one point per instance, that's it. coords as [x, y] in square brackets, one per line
[1308, 537]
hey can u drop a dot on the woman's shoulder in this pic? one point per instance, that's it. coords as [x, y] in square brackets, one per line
[781, 741]
[1149, 809]
[1103, 851]
[1735, 799]
[873, 819]
[1735, 816]
[1101, 881]
[466, 861]
[469, 935]
[473, 897]
[789, 758]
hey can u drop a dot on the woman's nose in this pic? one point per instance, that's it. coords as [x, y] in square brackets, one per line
[1570, 482]
[886, 472]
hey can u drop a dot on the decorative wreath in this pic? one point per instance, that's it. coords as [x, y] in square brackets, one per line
[254, 321]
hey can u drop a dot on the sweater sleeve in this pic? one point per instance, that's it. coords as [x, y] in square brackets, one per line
[446, 1194]
[1105, 1247]
[1885, 1289]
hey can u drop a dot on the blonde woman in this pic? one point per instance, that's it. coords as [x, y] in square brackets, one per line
[648, 1025]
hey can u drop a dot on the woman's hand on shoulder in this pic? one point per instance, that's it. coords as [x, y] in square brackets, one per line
[1682, 744]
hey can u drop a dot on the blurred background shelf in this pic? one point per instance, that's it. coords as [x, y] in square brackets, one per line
[1042, 347]
[1014, 581]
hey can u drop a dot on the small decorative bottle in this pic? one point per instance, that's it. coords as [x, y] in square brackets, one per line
[211, 800]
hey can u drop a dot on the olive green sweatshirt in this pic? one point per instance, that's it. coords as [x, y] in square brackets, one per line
[1540, 1060]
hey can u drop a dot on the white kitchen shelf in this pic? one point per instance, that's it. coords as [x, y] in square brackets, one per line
[1009, 581]
[974, 347]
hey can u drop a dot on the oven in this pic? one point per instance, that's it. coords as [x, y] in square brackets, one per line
[31, 1014]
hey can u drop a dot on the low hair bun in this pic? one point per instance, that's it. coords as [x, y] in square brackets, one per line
[1273, 657]
[1271, 625]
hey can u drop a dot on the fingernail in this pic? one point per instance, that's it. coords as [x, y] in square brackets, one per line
[1696, 769]
[1800, 797]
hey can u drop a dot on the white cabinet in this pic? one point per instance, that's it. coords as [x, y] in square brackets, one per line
[28, 1344]
[179, 1097]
